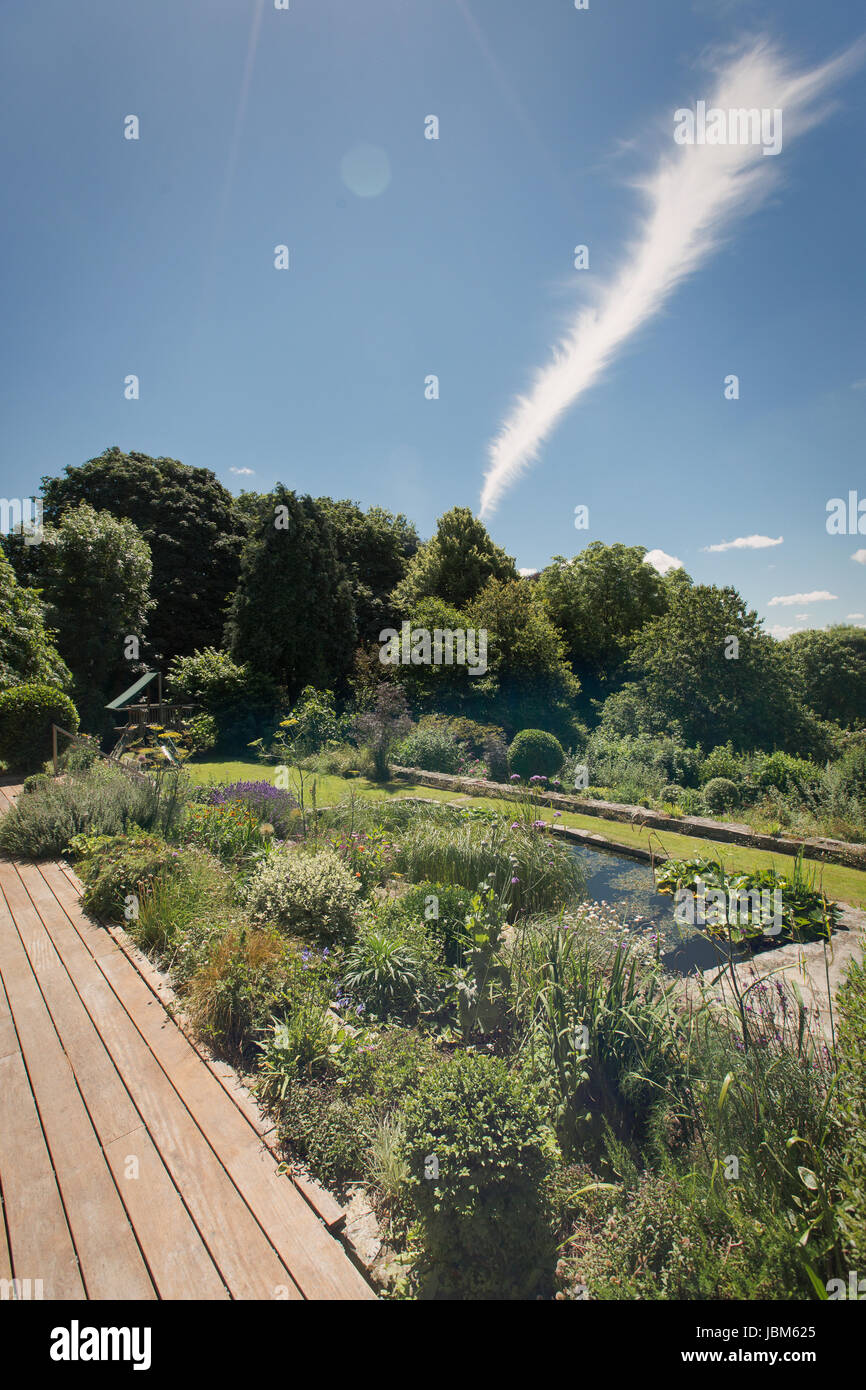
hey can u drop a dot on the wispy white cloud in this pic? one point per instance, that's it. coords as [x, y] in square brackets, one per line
[744, 543]
[661, 561]
[692, 196]
[859, 556]
[245, 472]
[780, 632]
[801, 617]
[816, 596]
[855, 617]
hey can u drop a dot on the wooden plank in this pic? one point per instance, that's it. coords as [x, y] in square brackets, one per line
[40, 1245]
[316, 1196]
[245, 1258]
[111, 1111]
[179, 1262]
[176, 1256]
[318, 1263]
[111, 1263]
[322, 1203]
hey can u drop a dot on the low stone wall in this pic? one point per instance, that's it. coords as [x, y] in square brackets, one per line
[828, 851]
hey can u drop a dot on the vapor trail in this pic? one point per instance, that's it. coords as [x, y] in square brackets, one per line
[692, 196]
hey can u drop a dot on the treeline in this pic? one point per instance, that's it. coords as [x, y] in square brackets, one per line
[150, 562]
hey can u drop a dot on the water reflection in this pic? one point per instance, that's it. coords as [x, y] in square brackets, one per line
[627, 886]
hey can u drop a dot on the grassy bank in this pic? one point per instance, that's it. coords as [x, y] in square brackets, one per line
[839, 882]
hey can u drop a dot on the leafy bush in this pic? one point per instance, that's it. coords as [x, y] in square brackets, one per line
[120, 870]
[440, 909]
[317, 1125]
[35, 781]
[479, 1154]
[534, 751]
[788, 774]
[433, 749]
[672, 793]
[26, 715]
[202, 731]
[230, 830]
[720, 794]
[103, 801]
[852, 773]
[495, 754]
[303, 892]
[312, 723]
[721, 762]
[241, 700]
[233, 995]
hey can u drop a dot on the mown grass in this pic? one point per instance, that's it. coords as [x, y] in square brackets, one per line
[838, 881]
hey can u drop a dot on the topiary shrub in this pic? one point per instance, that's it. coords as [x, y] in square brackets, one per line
[535, 752]
[479, 1154]
[26, 715]
[313, 893]
[721, 794]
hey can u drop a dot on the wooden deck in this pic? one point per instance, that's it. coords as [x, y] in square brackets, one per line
[129, 1169]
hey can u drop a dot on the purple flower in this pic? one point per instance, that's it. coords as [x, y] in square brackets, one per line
[515, 777]
[515, 880]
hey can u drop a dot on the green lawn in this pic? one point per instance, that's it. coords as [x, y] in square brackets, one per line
[839, 882]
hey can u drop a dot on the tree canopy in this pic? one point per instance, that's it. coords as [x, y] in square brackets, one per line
[189, 520]
[830, 669]
[94, 571]
[28, 651]
[292, 616]
[455, 564]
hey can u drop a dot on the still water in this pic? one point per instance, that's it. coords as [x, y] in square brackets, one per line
[627, 885]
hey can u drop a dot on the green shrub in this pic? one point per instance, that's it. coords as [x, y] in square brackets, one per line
[534, 752]
[104, 801]
[720, 794]
[120, 870]
[672, 793]
[495, 755]
[202, 732]
[393, 973]
[312, 893]
[433, 749]
[241, 700]
[26, 715]
[721, 762]
[788, 774]
[235, 992]
[440, 909]
[35, 781]
[851, 772]
[479, 1155]
[318, 1126]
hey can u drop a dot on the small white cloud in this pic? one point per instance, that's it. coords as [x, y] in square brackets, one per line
[801, 617]
[859, 556]
[528, 573]
[745, 543]
[816, 596]
[855, 617]
[780, 633]
[244, 472]
[661, 561]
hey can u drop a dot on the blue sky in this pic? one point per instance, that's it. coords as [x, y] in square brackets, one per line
[156, 257]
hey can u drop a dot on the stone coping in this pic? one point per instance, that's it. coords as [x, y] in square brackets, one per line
[828, 851]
